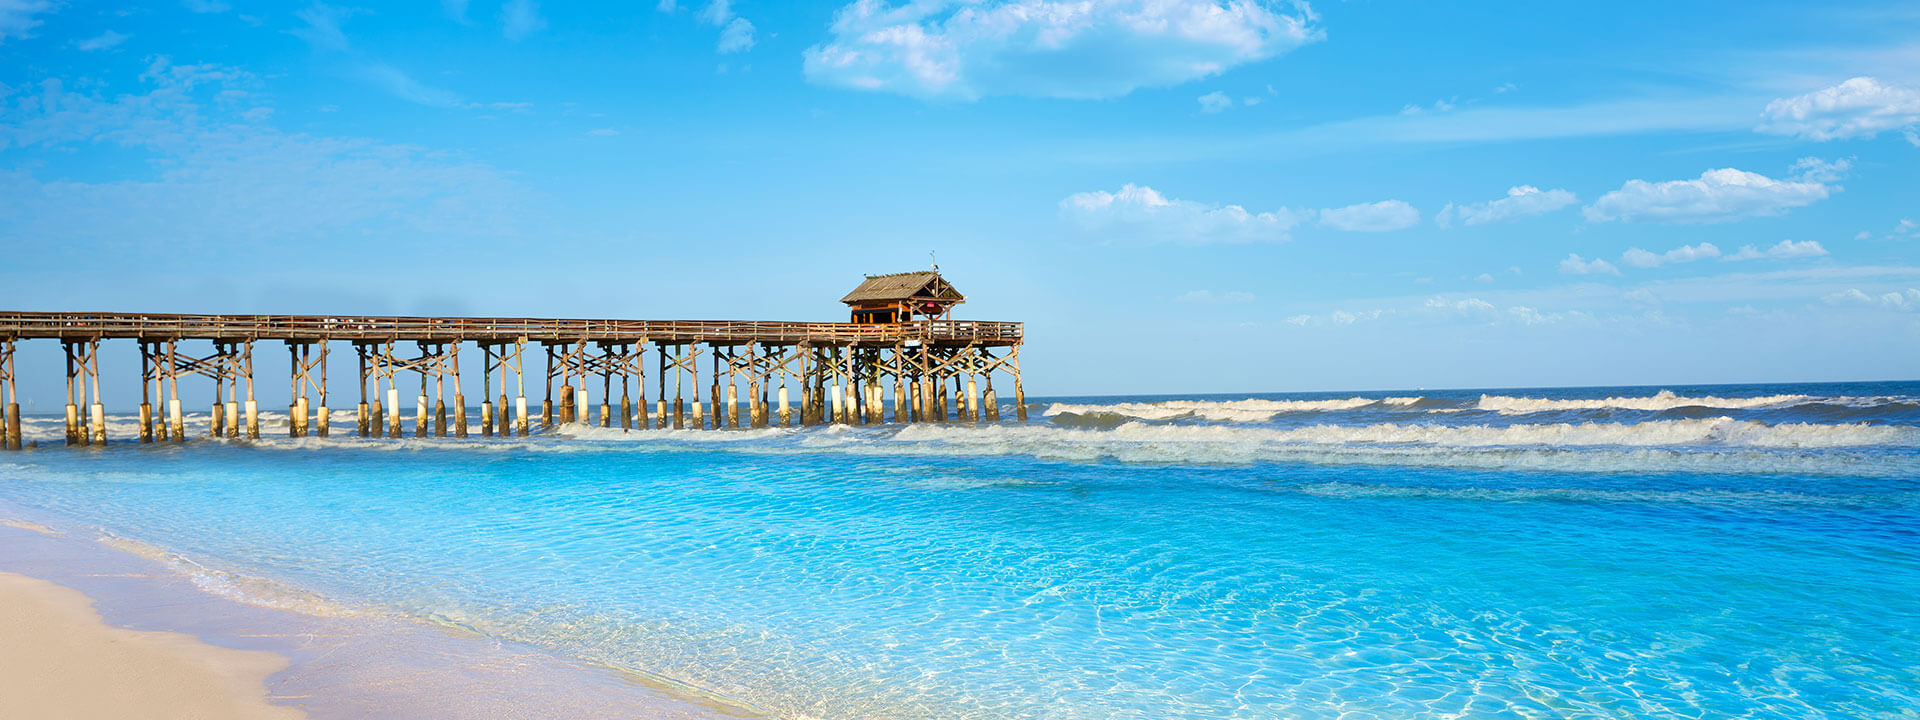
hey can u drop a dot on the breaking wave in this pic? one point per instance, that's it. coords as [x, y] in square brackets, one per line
[1250, 410]
[1663, 400]
[1259, 410]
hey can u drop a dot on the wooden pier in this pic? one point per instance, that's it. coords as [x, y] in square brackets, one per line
[909, 360]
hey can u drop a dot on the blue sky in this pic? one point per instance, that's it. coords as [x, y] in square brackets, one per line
[1176, 196]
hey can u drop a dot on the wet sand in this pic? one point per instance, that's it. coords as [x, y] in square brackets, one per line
[61, 660]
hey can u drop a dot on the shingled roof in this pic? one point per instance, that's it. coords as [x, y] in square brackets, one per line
[924, 284]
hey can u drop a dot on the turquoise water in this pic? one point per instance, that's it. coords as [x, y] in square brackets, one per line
[1748, 551]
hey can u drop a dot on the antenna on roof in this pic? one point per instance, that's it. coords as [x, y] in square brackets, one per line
[936, 260]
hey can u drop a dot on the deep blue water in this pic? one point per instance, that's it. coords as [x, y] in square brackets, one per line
[1722, 551]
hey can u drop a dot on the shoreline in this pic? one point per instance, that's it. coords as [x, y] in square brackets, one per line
[310, 658]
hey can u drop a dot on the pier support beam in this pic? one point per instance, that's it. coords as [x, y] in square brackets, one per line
[10, 422]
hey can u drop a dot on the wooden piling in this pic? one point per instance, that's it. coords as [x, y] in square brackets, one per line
[10, 411]
[323, 418]
[396, 421]
[459, 397]
[174, 411]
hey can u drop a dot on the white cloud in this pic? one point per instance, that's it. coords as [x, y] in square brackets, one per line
[1230, 297]
[947, 50]
[1371, 217]
[1146, 215]
[1521, 201]
[737, 36]
[17, 16]
[1214, 102]
[1860, 107]
[1894, 300]
[1636, 257]
[1143, 213]
[1468, 305]
[1576, 265]
[603, 132]
[207, 7]
[1484, 277]
[1300, 320]
[1716, 196]
[1784, 250]
[1343, 317]
[520, 18]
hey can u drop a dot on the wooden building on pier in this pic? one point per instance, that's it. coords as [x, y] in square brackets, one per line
[900, 297]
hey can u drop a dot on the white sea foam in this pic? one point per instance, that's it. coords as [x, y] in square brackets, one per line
[1718, 445]
[235, 586]
[1715, 444]
[1258, 410]
[1249, 410]
[1663, 400]
[1720, 432]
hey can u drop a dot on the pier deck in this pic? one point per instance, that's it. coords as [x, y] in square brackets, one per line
[841, 370]
[310, 328]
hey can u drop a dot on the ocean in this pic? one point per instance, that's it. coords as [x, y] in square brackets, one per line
[1678, 551]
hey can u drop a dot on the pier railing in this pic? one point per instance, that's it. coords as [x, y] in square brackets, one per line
[26, 325]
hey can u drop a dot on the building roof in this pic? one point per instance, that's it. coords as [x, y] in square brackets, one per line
[922, 285]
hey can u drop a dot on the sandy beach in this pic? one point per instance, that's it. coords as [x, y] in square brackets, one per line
[62, 661]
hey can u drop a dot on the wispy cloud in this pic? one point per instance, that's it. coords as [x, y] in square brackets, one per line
[1214, 102]
[1049, 48]
[736, 33]
[225, 178]
[520, 18]
[1383, 216]
[205, 7]
[17, 17]
[102, 41]
[323, 29]
[322, 25]
[401, 85]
